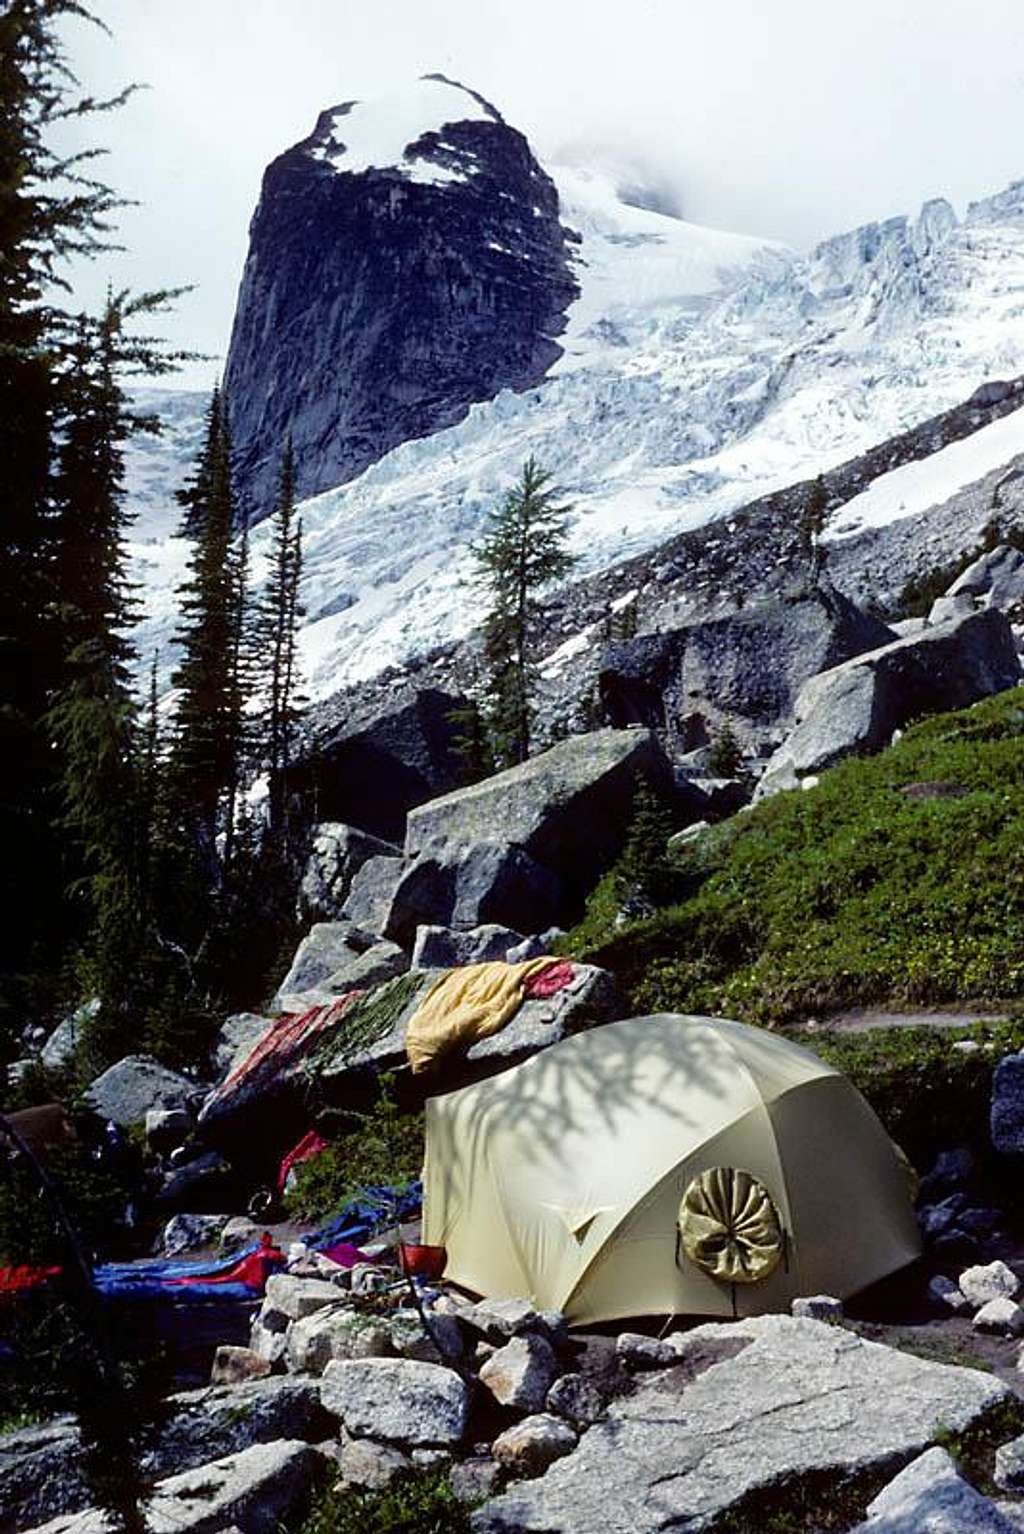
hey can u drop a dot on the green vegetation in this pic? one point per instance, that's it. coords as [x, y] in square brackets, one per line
[851, 894]
[412, 1504]
[523, 549]
[926, 1093]
[382, 1146]
[93, 1196]
[643, 877]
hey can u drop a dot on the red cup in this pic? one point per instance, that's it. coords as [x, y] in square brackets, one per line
[422, 1261]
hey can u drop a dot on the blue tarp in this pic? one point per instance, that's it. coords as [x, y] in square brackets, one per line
[375, 1209]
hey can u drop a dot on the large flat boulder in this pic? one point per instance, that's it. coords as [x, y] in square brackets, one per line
[127, 1091]
[528, 839]
[802, 1399]
[853, 709]
[590, 999]
[476, 884]
[336, 855]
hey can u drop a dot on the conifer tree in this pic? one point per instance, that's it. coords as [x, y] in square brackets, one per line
[279, 615]
[50, 210]
[203, 760]
[93, 717]
[194, 495]
[523, 550]
[811, 527]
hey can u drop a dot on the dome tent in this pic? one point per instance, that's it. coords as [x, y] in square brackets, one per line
[665, 1165]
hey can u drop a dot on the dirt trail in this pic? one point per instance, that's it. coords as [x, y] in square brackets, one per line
[860, 1019]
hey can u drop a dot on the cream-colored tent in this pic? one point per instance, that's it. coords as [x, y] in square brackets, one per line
[665, 1165]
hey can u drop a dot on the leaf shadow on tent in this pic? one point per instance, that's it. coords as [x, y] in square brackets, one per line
[541, 1100]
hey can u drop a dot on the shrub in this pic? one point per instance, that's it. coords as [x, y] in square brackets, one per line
[386, 1146]
[412, 1504]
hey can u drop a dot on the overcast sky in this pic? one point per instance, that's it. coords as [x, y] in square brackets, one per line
[787, 118]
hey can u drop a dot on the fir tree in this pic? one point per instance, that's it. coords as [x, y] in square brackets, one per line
[279, 616]
[194, 496]
[643, 872]
[726, 755]
[203, 760]
[522, 551]
[811, 527]
[50, 210]
[93, 718]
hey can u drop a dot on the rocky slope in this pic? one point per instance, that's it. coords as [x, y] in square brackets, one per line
[405, 260]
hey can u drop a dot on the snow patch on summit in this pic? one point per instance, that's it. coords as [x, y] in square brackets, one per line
[379, 134]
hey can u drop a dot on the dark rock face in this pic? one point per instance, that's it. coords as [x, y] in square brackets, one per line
[392, 749]
[748, 665]
[378, 304]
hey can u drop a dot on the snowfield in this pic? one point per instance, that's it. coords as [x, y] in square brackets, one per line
[700, 370]
[919, 486]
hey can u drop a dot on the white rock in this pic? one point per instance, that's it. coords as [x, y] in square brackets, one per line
[576, 1399]
[231, 1365]
[944, 1292]
[528, 1448]
[520, 1374]
[993, 1281]
[817, 1307]
[930, 1497]
[370, 1465]
[313, 1342]
[400, 1400]
[640, 1352]
[1000, 1316]
[1009, 1469]
[299, 1297]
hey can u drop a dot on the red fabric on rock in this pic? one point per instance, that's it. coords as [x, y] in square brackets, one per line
[548, 982]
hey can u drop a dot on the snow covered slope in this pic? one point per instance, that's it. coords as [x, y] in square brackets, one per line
[917, 487]
[700, 370]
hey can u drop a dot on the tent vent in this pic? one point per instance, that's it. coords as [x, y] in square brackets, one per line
[729, 1227]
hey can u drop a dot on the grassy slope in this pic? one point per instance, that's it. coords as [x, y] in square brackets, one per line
[850, 893]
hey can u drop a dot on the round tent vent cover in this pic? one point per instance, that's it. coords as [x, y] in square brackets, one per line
[729, 1227]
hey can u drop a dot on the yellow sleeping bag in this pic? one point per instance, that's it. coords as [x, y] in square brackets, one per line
[465, 1005]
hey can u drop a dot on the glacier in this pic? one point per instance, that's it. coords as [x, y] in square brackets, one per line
[700, 370]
